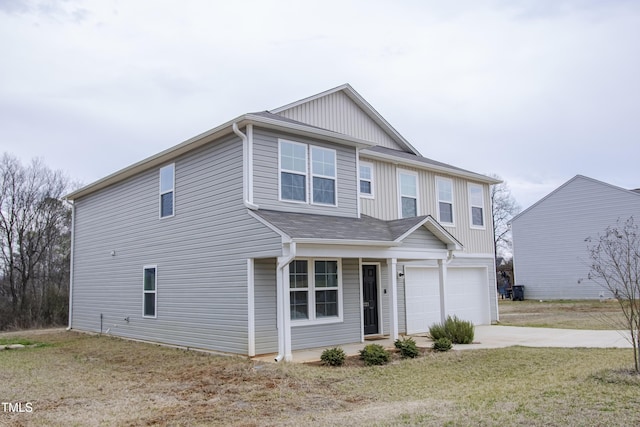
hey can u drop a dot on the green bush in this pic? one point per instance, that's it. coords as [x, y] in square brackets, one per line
[333, 356]
[456, 330]
[374, 354]
[442, 344]
[407, 347]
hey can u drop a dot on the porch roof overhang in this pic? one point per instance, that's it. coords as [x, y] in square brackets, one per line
[323, 235]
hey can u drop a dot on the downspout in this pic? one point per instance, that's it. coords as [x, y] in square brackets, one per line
[72, 237]
[283, 299]
[247, 165]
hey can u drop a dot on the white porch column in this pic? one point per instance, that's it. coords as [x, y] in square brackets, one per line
[442, 276]
[393, 297]
[251, 315]
[288, 356]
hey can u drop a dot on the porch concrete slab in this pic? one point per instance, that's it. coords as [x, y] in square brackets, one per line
[491, 336]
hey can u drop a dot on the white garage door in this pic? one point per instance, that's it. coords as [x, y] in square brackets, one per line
[422, 298]
[468, 295]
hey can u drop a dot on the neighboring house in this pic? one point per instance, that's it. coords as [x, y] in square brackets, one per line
[549, 250]
[314, 224]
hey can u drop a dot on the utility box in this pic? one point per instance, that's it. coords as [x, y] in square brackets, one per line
[518, 293]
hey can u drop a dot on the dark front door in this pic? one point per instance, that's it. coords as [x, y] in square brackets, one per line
[370, 299]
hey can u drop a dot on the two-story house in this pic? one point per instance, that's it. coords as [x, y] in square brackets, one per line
[314, 224]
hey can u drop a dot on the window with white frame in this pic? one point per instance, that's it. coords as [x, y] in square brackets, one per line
[323, 172]
[167, 187]
[476, 204]
[445, 200]
[149, 291]
[408, 189]
[366, 180]
[293, 171]
[314, 290]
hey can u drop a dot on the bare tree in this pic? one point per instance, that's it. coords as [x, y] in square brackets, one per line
[504, 207]
[615, 265]
[34, 229]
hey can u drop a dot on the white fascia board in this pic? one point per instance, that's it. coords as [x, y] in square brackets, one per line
[285, 237]
[343, 251]
[342, 242]
[429, 167]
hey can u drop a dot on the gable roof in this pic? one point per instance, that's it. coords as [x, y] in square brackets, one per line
[354, 96]
[633, 193]
[384, 153]
[313, 228]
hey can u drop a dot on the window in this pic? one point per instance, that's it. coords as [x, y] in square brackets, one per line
[167, 178]
[408, 188]
[149, 293]
[314, 290]
[293, 171]
[476, 203]
[445, 200]
[323, 171]
[366, 180]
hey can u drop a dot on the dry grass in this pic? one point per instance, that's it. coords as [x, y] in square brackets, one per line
[569, 314]
[88, 380]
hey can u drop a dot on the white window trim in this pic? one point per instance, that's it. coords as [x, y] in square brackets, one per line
[311, 299]
[453, 207]
[306, 172]
[312, 175]
[371, 181]
[471, 185]
[400, 195]
[155, 292]
[161, 193]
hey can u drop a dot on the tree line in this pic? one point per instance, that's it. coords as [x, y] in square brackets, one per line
[35, 245]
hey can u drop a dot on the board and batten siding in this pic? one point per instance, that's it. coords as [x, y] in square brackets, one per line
[200, 254]
[550, 253]
[349, 331]
[266, 176]
[338, 113]
[385, 204]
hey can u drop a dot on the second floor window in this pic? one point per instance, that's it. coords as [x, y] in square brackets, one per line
[366, 179]
[445, 200]
[476, 203]
[167, 184]
[408, 186]
[303, 166]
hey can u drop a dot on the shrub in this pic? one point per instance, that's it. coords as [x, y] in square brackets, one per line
[456, 330]
[442, 344]
[374, 354]
[333, 356]
[407, 347]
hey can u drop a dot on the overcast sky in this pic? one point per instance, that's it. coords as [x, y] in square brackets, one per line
[534, 91]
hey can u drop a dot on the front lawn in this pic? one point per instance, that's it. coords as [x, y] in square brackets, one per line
[82, 380]
[569, 314]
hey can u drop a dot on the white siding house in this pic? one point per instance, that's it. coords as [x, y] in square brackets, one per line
[549, 250]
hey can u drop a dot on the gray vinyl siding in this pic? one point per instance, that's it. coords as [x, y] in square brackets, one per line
[266, 176]
[424, 239]
[200, 253]
[385, 204]
[550, 252]
[338, 113]
[266, 320]
[349, 330]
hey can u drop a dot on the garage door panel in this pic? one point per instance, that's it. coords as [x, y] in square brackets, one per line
[422, 299]
[468, 294]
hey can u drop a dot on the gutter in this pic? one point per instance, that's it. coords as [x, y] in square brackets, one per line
[72, 237]
[247, 165]
[283, 298]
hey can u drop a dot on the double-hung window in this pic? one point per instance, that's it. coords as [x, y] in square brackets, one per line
[323, 171]
[293, 171]
[366, 180]
[445, 200]
[149, 291]
[167, 187]
[314, 290]
[408, 189]
[476, 204]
